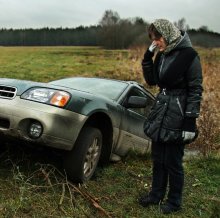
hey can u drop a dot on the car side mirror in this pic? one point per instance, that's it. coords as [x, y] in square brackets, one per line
[136, 102]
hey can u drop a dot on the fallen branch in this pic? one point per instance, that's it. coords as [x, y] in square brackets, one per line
[92, 200]
[212, 199]
[46, 175]
[63, 194]
[61, 199]
[85, 195]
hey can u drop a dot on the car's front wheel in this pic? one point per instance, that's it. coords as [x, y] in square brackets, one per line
[81, 162]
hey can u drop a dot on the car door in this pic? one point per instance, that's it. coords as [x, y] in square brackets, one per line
[131, 135]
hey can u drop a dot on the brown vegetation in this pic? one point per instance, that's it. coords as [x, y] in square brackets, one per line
[209, 121]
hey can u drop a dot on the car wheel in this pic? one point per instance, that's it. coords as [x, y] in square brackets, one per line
[81, 162]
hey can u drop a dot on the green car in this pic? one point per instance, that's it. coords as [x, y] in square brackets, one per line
[89, 120]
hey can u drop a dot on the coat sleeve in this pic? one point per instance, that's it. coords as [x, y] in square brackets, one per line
[194, 89]
[148, 69]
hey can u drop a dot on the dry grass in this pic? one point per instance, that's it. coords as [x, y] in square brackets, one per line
[209, 121]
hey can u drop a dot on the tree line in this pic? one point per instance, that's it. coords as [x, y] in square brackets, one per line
[112, 32]
[49, 36]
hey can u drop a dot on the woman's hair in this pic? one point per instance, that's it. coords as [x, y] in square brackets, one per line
[152, 31]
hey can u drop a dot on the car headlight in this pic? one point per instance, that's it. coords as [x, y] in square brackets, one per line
[47, 96]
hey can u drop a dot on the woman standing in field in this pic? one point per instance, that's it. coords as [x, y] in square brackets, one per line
[171, 124]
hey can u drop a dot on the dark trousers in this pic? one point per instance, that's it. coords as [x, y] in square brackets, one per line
[168, 169]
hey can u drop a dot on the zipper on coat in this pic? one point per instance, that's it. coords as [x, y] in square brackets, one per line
[179, 105]
[161, 66]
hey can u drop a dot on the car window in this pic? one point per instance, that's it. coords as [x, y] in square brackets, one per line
[142, 111]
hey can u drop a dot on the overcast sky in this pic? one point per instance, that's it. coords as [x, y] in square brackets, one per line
[73, 13]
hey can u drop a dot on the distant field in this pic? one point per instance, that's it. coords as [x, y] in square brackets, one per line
[48, 63]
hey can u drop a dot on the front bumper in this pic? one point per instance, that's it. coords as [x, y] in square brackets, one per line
[60, 127]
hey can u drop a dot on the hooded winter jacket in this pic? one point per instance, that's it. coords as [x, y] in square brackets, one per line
[178, 73]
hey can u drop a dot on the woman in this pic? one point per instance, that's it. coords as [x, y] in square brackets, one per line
[176, 69]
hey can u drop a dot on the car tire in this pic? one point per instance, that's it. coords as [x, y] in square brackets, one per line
[2, 146]
[80, 163]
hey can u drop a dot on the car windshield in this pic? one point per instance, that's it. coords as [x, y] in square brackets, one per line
[109, 88]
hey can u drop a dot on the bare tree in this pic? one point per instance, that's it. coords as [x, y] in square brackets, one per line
[110, 18]
[181, 24]
[109, 29]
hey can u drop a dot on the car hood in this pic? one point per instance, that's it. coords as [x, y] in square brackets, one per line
[23, 85]
[20, 85]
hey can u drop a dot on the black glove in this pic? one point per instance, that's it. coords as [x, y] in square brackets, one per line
[147, 56]
[189, 129]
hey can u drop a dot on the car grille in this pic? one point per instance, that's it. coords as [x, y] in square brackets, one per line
[7, 92]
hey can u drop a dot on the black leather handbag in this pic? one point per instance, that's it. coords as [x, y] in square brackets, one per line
[152, 124]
